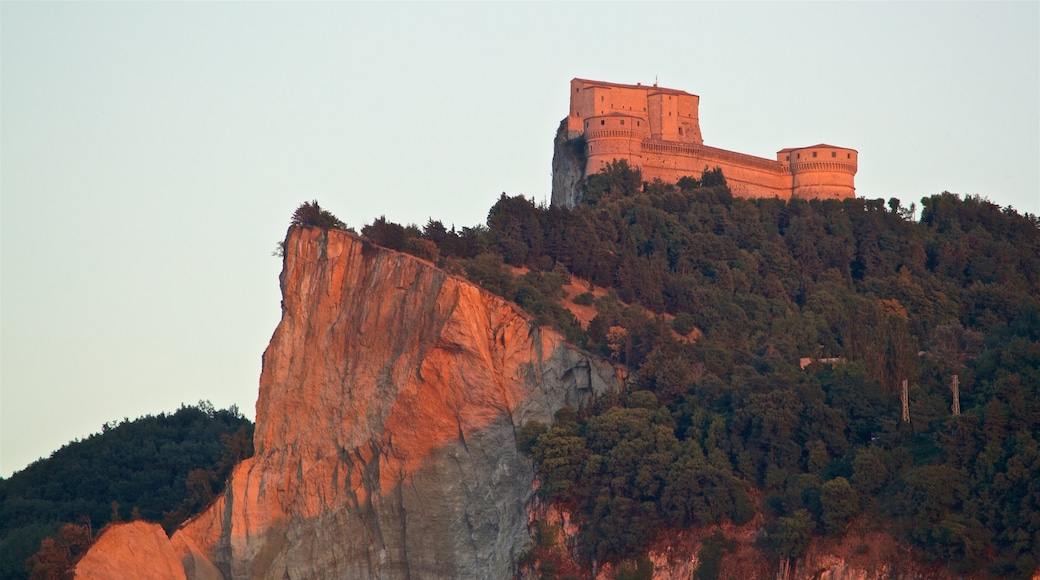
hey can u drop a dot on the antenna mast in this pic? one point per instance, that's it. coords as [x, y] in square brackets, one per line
[905, 397]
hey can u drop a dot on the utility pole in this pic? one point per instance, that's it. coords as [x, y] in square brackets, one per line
[905, 397]
[956, 397]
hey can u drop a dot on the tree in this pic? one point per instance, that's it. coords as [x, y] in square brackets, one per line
[840, 504]
[792, 534]
[311, 214]
[57, 556]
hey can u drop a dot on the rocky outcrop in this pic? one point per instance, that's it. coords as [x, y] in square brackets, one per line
[135, 549]
[389, 403]
[568, 167]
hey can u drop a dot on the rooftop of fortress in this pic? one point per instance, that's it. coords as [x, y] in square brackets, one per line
[657, 130]
[654, 87]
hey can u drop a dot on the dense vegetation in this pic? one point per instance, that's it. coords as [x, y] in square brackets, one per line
[162, 468]
[712, 423]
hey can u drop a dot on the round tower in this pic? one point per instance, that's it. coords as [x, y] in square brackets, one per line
[821, 171]
[614, 136]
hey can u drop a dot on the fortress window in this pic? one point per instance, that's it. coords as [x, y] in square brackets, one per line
[622, 121]
[799, 156]
[848, 155]
[814, 154]
[602, 122]
[788, 158]
[639, 124]
[833, 154]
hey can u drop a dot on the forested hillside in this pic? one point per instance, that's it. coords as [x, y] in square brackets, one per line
[712, 303]
[162, 468]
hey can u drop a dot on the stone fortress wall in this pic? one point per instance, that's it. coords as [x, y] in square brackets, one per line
[658, 130]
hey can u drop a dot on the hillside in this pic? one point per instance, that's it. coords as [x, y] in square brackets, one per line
[161, 468]
[710, 428]
[723, 399]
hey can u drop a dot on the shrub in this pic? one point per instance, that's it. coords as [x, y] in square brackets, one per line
[684, 323]
[584, 299]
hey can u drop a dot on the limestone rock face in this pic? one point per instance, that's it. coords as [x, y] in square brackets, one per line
[131, 550]
[390, 399]
[568, 168]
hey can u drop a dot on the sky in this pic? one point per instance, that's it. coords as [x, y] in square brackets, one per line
[151, 154]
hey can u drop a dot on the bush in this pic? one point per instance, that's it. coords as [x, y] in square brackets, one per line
[528, 436]
[684, 323]
[584, 299]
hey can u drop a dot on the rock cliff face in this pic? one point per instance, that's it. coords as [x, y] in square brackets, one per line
[139, 547]
[568, 168]
[390, 399]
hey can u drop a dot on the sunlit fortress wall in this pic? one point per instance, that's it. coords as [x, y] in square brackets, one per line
[658, 130]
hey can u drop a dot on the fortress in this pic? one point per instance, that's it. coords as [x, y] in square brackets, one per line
[658, 130]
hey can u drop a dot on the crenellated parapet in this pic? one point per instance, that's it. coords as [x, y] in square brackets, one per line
[658, 130]
[615, 136]
[821, 171]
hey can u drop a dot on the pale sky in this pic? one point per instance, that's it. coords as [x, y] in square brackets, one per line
[151, 154]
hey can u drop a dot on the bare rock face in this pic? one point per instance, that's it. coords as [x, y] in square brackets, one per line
[134, 550]
[390, 399]
[568, 168]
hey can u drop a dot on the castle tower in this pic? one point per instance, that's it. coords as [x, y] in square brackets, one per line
[821, 171]
[614, 136]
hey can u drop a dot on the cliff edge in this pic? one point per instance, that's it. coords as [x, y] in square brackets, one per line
[390, 398]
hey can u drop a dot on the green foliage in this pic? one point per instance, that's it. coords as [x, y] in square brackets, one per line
[617, 179]
[584, 299]
[389, 234]
[839, 503]
[528, 436]
[684, 323]
[709, 557]
[161, 468]
[713, 178]
[791, 534]
[311, 214]
[639, 569]
[488, 271]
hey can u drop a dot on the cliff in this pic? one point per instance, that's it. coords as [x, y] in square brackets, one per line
[390, 398]
[568, 168]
